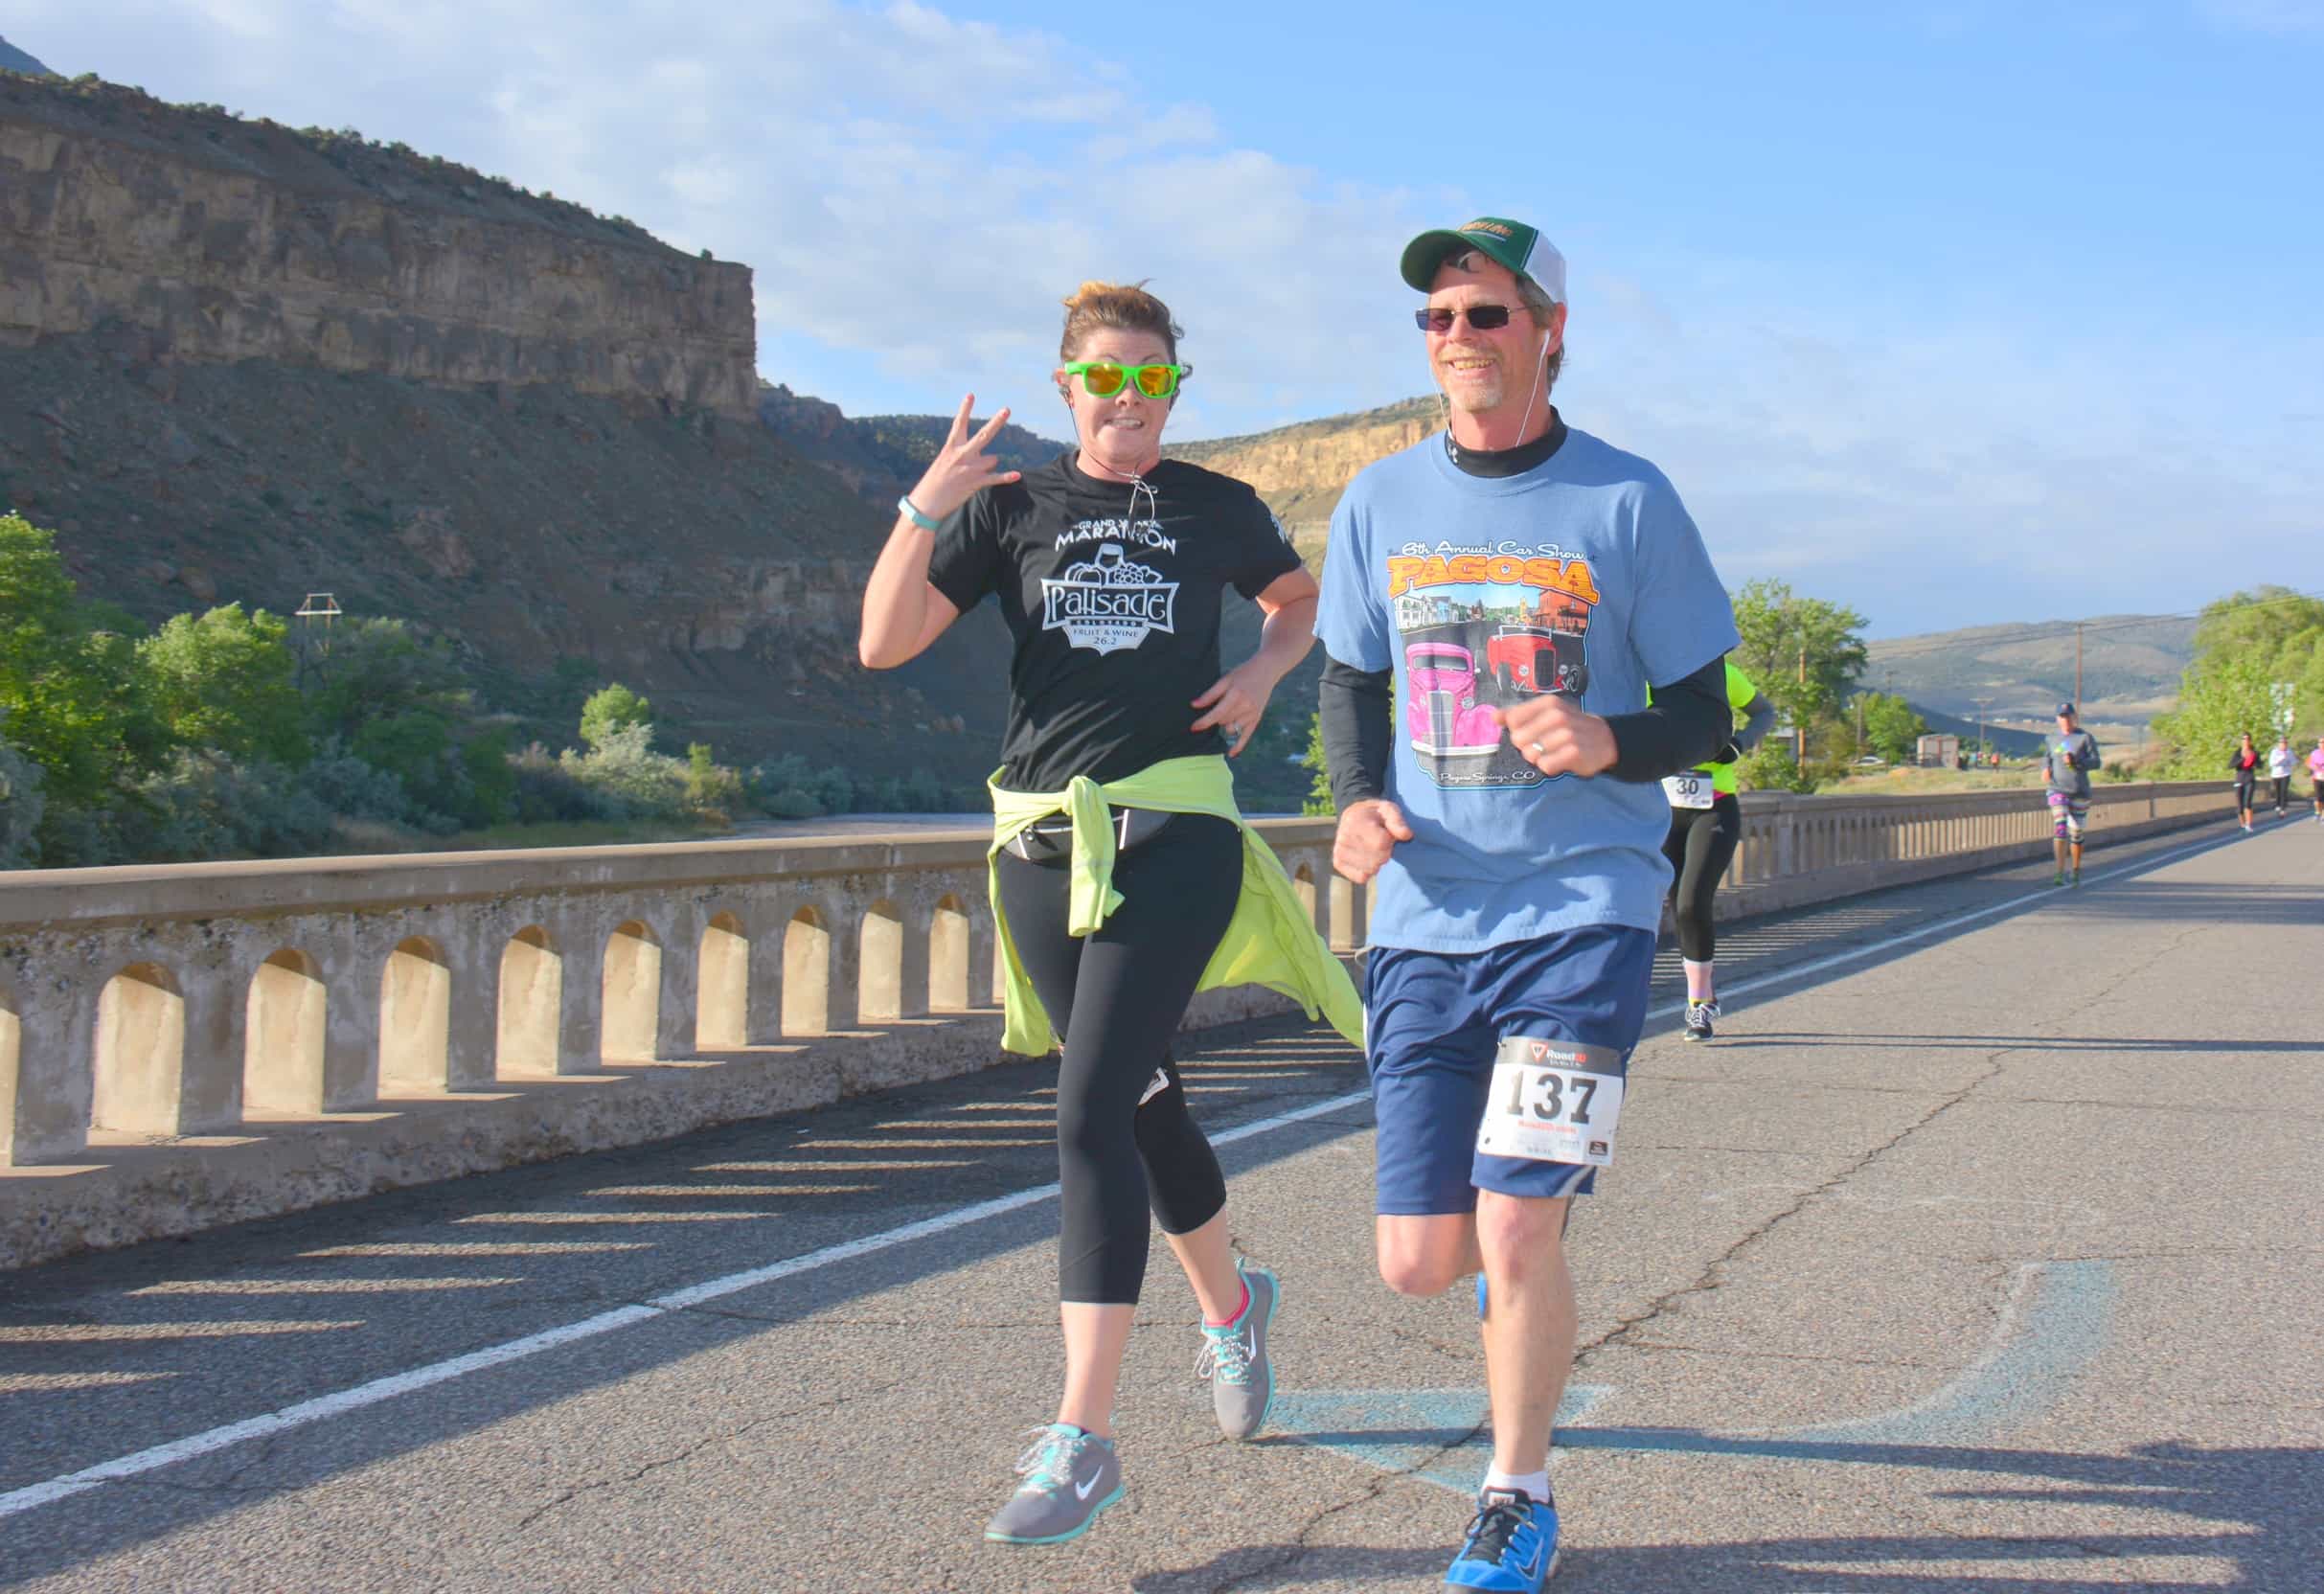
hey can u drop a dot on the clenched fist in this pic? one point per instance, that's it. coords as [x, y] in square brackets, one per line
[1558, 737]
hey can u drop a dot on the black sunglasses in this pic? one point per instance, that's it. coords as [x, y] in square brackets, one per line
[1485, 318]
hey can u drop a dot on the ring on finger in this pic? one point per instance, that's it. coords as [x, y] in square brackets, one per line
[1538, 748]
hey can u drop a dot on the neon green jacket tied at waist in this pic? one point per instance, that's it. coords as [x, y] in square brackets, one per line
[1272, 940]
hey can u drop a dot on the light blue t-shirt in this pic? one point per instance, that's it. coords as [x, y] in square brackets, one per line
[1583, 575]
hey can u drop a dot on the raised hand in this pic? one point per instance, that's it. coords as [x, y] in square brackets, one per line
[963, 465]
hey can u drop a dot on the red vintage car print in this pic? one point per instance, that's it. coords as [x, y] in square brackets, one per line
[1441, 714]
[1523, 660]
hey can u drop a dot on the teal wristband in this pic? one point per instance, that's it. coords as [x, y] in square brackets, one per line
[911, 511]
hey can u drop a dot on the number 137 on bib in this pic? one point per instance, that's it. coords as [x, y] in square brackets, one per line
[1553, 1101]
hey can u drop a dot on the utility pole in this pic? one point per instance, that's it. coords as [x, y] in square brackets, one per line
[1799, 729]
[1981, 703]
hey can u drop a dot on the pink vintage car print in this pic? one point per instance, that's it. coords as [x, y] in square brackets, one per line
[1441, 714]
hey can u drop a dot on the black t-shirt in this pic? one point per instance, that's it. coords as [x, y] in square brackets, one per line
[1115, 613]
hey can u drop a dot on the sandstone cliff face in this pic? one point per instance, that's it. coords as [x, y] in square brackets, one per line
[188, 234]
[1301, 471]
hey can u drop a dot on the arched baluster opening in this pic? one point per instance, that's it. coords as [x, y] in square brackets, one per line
[806, 974]
[282, 1031]
[1346, 927]
[11, 1043]
[632, 994]
[722, 1000]
[879, 980]
[949, 956]
[414, 1019]
[1303, 886]
[530, 1009]
[140, 1052]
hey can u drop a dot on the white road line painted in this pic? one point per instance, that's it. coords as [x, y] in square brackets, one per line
[388, 1388]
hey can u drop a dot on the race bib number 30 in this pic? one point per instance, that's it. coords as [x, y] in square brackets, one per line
[1553, 1101]
[1688, 791]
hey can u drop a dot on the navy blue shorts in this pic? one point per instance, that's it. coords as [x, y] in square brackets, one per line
[1434, 1022]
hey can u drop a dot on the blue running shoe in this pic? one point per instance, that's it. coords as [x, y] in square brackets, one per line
[1512, 1544]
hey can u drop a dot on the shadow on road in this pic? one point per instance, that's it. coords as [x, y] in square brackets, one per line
[2252, 1509]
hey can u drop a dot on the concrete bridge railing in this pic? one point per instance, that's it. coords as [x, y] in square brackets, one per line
[187, 1044]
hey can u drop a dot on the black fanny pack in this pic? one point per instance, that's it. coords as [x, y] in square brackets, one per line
[1051, 840]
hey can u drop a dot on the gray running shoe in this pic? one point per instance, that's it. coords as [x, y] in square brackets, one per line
[1069, 1476]
[1235, 1359]
[1700, 1019]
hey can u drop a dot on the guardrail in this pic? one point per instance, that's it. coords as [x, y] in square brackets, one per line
[188, 1044]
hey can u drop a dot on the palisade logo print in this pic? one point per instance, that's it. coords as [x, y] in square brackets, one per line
[1110, 600]
[1481, 628]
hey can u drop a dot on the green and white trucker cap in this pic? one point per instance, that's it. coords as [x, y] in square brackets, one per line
[1516, 245]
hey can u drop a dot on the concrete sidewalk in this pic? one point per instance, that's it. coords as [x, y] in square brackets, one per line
[1986, 1259]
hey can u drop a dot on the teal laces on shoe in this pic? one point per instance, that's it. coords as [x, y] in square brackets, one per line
[1226, 1353]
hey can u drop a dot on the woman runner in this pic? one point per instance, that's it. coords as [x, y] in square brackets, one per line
[2244, 766]
[1706, 825]
[1124, 879]
[2315, 779]
[2279, 771]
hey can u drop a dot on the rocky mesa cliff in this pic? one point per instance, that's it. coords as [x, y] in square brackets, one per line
[1302, 469]
[199, 236]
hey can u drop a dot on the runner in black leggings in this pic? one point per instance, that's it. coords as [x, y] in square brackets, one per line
[1110, 566]
[1131, 983]
[1706, 825]
[2244, 766]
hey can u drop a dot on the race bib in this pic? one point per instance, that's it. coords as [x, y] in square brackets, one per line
[1690, 790]
[1553, 1100]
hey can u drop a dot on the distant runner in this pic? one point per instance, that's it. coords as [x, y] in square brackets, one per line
[2315, 778]
[2067, 763]
[2244, 766]
[2279, 771]
[1706, 825]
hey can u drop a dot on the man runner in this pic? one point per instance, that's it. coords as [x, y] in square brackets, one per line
[1510, 816]
[2067, 764]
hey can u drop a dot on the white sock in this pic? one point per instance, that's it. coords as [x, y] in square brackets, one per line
[1536, 1485]
[1698, 978]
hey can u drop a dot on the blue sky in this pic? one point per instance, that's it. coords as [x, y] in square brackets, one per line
[1957, 313]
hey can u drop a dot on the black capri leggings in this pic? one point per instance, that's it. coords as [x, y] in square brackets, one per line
[1117, 997]
[1700, 842]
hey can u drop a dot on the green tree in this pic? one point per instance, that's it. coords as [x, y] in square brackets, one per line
[2246, 646]
[613, 709]
[1803, 653]
[224, 683]
[2219, 697]
[1318, 800]
[380, 669]
[68, 676]
[1892, 728]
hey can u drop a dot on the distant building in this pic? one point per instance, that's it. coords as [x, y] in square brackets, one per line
[1938, 752]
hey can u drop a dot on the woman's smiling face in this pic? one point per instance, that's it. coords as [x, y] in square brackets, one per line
[1123, 432]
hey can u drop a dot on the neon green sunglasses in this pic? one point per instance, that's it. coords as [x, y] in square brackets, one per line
[1104, 378]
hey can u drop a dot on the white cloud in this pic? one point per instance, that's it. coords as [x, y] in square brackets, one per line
[914, 194]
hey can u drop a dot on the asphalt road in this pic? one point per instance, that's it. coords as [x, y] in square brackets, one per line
[1980, 1251]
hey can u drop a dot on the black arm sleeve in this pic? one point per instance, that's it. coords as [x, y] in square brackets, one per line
[1688, 724]
[1356, 707]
